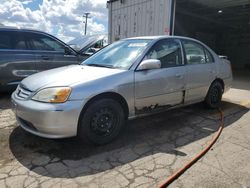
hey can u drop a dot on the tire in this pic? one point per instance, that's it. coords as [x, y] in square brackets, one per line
[102, 121]
[214, 95]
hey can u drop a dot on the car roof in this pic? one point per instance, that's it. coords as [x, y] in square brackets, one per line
[155, 38]
[161, 37]
[12, 28]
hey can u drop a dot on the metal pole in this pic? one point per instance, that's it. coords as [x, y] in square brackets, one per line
[86, 16]
[109, 4]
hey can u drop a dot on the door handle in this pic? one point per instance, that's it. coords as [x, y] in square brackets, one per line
[44, 57]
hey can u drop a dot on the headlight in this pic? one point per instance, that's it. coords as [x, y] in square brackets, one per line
[53, 95]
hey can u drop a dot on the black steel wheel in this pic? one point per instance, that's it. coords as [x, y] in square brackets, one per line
[102, 121]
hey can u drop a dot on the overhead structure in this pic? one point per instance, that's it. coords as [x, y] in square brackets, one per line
[221, 3]
[224, 25]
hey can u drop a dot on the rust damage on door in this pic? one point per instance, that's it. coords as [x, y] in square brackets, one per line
[158, 108]
[152, 108]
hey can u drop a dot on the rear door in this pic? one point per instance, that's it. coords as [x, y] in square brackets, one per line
[161, 88]
[201, 70]
[51, 52]
[17, 61]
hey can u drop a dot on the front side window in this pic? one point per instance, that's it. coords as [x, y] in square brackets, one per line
[168, 51]
[121, 54]
[44, 43]
[194, 52]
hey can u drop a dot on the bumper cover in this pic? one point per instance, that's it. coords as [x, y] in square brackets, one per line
[48, 120]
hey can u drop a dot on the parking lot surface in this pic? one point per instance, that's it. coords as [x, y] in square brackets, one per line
[148, 151]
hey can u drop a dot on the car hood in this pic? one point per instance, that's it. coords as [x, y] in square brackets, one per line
[66, 76]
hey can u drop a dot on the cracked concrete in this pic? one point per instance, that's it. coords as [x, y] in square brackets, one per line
[149, 150]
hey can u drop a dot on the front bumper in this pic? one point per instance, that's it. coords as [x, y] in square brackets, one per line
[48, 120]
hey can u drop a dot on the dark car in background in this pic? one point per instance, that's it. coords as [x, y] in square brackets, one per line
[24, 52]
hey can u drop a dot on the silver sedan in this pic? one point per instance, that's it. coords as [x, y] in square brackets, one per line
[127, 79]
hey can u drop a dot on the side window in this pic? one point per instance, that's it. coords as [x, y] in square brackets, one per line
[18, 41]
[56, 46]
[194, 52]
[168, 51]
[5, 40]
[12, 40]
[44, 43]
[209, 56]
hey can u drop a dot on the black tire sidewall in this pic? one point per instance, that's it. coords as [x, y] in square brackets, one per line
[85, 131]
[208, 97]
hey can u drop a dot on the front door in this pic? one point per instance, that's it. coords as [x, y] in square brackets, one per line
[161, 88]
[51, 53]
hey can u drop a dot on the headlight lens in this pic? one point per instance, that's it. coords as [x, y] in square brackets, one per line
[53, 95]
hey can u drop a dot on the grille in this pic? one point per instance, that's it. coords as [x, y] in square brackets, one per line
[23, 93]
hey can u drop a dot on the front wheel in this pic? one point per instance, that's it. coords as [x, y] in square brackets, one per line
[102, 121]
[214, 95]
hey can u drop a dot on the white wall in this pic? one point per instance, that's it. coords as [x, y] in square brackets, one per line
[138, 18]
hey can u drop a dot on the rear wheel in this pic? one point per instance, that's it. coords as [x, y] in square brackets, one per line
[214, 95]
[102, 121]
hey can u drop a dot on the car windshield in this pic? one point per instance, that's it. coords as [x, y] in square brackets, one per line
[121, 54]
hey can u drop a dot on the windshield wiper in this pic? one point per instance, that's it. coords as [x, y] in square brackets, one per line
[100, 65]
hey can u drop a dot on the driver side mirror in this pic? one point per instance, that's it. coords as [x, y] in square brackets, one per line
[149, 64]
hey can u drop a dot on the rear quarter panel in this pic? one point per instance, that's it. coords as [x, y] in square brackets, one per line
[222, 70]
[225, 73]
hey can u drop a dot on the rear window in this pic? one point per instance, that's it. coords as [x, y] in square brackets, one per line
[12, 40]
[5, 40]
[194, 52]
